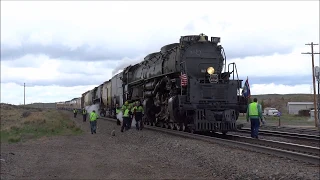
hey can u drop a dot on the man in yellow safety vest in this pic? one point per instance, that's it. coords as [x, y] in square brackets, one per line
[75, 113]
[84, 114]
[254, 113]
[138, 114]
[93, 121]
[125, 116]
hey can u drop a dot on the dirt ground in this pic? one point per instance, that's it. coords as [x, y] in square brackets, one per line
[139, 155]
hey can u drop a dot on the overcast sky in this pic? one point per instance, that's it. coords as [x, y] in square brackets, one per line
[62, 49]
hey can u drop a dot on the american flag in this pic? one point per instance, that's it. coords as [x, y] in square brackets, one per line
[184, 79]
[246, 89]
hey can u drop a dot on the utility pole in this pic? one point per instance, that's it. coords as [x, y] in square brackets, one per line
[314, 82]
[24, 94]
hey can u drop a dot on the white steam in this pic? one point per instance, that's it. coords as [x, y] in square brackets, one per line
[93, 107]
[119, 116]
[125, 62]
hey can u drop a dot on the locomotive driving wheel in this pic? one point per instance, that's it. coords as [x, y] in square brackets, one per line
[165, 125]
[183, 127]
[171, 126]
[175, 126]
[191, 130]
[178, 127]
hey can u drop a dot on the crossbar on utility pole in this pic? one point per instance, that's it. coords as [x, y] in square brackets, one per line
[314, 82]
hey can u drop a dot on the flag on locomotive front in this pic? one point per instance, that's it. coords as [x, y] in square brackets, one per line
[246, 89]
[184, 80]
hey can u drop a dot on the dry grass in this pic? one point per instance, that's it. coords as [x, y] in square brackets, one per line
[20, 123]
[280, 101]
[285, 120]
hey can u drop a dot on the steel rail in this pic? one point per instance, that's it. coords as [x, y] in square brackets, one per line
[307, 137]
[292, 129]
[276, 144]
[237, 144]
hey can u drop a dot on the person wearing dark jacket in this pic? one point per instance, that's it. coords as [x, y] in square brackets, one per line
[84, 114]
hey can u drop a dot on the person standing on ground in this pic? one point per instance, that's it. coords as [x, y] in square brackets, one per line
[254, 113]
[75, 113]
[125, 117]
[138, 114]
[93, 121]
[84, 114]
[131, 105]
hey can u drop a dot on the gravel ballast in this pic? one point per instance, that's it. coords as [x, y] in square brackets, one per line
[140, 155]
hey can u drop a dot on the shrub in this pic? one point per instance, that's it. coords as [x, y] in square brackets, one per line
[13, 139]
[26, 114]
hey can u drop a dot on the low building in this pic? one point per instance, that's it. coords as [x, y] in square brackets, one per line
[312, 117]
[295, 107]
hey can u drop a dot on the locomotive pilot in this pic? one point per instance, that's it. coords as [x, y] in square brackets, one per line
[138, 114]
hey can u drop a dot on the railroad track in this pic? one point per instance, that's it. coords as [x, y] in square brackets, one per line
[287, 150]
[292, 129]
[292, 135]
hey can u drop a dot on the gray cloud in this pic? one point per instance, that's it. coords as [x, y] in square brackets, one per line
[67, 81]
[285, 80]
[125, 63]
[59, 51]
[97, 68]
[83, 80]
[254, 49]
[190, 26]
[234, 49]
[245, 44]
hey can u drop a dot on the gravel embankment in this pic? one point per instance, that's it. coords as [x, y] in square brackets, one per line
[140, 155]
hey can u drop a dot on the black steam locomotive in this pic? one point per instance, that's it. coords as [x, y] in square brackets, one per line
[187, 86]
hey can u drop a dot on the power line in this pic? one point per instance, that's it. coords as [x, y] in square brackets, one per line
[314, 82]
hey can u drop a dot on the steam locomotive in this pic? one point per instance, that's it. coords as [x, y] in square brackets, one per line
[186, 86]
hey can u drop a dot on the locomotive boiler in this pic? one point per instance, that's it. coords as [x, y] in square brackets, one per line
[187, 86]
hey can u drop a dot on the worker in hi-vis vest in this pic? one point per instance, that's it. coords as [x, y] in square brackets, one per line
[138, 114]
[117, 111]
[75, 111]
[84, 114]
[125, 116]
[93, 121]
[254, 113]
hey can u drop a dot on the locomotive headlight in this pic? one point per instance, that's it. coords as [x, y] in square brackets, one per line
[210, 70]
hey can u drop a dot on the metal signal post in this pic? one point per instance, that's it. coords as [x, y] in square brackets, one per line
[314, 82]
